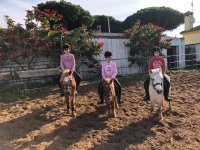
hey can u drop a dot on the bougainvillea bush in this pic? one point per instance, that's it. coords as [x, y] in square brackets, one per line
[24, 45]
[142, 38]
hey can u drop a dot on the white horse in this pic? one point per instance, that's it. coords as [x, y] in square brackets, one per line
[156, 91]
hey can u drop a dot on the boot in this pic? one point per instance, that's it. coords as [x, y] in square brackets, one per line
[101, 98]
[146, 88]
[100, 92]
[166, 90]
[119, 99]
[166, 93]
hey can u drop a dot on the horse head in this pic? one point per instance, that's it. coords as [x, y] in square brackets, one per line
[66, 80]
[156, 78]
[108, 86]
[66, 76]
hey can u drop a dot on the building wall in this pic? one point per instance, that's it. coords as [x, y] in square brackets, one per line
[120, 54]
[179, 53]
[180, 48]
[192, 37]
[114, 42]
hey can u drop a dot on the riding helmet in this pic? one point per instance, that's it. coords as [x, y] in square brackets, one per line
[66, 46]
[107, 54]
[156, 48]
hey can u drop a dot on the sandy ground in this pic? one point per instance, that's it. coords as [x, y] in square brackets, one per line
[42, 123]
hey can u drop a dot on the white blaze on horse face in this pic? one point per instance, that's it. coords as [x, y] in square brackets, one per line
[157, 79]
[66, 79]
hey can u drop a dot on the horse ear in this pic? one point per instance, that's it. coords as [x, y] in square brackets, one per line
[112, 80]
[70, 72]
[160, 69]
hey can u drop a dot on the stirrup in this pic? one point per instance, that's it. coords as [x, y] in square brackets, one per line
[101, 102]
[146, 98]
[120, 101]
[167, 98]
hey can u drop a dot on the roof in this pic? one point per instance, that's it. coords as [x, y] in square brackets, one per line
[193, 29]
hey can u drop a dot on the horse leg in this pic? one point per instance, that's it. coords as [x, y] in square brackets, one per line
[113, 109]
[116, 103]
[151, 107]
[160, 110]
[67, 102]
[73, 105]
[170, 105]
[108, 107]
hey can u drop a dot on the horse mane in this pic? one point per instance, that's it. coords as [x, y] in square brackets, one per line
[156, 70]
[64, 74]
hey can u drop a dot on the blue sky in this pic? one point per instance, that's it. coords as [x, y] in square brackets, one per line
[119, 9]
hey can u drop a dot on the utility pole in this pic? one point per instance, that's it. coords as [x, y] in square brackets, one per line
[192, 6]
[108, 25]
[61, 42]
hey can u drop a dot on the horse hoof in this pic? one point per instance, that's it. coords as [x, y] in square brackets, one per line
[161, 118]
[68, 111]
[151, 114]
[117, 105]
[73, 114]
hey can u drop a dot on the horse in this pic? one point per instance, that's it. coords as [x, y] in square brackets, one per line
[110, 96]
[68, 85]
[156, 91]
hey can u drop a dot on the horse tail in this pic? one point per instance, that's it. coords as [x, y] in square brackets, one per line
[164, 103]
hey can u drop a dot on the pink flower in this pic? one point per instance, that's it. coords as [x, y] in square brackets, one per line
[47, 10]
[9, 30]
[14, 36]
[60, 16]
[101, 44]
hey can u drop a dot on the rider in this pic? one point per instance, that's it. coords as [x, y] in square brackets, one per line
[155, 62]
[109, 70]
[67, 61]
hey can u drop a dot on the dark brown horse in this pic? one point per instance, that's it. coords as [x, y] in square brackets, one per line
[110, 96]
[68, 85]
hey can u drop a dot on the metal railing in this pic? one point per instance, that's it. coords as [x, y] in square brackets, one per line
[123, 65]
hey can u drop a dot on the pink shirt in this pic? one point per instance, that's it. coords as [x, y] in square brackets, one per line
[67, 61]
[109, 70]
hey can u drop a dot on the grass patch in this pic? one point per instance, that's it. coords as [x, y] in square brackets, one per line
[10, 97]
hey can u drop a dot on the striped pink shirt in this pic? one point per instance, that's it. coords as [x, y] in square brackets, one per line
[109, 70]
[67, 61]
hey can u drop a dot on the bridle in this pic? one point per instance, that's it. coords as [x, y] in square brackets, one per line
[154, 85]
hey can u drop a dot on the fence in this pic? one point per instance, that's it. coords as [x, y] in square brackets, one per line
[12, 78]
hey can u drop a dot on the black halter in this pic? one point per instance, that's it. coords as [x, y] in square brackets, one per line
[154, 85]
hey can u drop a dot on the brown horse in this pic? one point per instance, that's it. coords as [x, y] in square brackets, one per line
[68, 85]
[110, 96]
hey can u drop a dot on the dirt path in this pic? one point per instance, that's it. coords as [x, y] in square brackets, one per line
[42, 123]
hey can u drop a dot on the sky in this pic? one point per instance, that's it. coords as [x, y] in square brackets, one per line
[119, 9]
